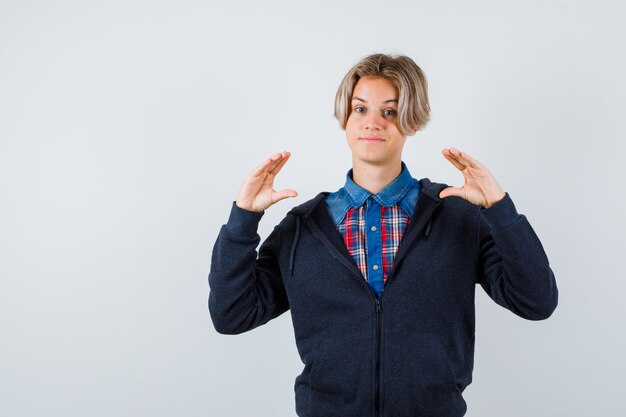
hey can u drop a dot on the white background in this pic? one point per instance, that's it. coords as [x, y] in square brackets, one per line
[126, 128]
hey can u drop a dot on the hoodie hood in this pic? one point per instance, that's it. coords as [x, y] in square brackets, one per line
[305, 211]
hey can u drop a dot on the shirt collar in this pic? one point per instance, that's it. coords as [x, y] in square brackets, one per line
[388, 196]
[403, 191]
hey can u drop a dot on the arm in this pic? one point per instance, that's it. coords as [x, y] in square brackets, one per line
[514, 270]
[246, 290]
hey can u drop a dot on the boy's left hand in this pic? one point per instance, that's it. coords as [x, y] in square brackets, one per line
[480, 186]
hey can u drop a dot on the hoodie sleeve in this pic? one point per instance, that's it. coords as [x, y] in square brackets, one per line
[514, 269]
[246, 290]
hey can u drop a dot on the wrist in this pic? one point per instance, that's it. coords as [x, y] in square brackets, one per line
[491, 201]
[248, 207]
[243, 222]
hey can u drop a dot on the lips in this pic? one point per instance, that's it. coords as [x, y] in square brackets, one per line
[372, 139]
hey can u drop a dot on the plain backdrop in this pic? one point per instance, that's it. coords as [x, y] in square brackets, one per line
[127, 127]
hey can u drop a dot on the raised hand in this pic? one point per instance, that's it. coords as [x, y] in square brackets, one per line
[480, 186]
[257, 192]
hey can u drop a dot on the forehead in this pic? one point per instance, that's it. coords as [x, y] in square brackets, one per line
[374, 89]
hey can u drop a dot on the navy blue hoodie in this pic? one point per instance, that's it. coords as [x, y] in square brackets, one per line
[409, 354]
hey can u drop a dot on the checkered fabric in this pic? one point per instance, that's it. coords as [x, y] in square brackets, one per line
[393, 221]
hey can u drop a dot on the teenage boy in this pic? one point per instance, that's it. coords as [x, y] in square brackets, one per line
[380, 275]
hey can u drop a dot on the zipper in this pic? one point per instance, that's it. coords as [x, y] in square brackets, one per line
[356, 274]
[379, 311]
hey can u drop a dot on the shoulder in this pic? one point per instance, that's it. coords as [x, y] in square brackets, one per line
[308, 207]
[430, 188]
[450, 205]
[302, 211]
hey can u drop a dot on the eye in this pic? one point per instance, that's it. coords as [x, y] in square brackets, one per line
[390, 112]
[359, 109]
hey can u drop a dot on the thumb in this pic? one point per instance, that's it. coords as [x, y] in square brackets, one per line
[282, 194]
[451, 192]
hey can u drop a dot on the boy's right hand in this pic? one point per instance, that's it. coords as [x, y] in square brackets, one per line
[257, 192]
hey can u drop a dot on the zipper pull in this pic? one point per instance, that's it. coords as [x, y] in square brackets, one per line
[379, 309]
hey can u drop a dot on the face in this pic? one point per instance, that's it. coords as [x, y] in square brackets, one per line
[372, 127]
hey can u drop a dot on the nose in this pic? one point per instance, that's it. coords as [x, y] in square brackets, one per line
[373, 121]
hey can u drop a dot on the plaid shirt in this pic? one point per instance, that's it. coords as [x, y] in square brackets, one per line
[372, 225]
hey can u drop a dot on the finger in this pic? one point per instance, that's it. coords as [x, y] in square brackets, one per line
[276, 161]
[452, 191]
[474, 162]
[266, 165]
[263, 167]
[450, 152]
[282, 194]
[453, 159]
[463, 157]
[275, 170]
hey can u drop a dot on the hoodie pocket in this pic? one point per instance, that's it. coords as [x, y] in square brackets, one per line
[340, 379]
[418, 378]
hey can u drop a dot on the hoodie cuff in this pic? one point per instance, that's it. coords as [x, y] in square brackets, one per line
[243, 222]
[502, 214]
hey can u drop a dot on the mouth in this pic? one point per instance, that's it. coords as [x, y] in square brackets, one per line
[371, 139]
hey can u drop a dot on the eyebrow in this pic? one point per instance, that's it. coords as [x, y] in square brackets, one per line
[393, 100]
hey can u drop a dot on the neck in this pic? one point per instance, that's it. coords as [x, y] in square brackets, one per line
[374, 178]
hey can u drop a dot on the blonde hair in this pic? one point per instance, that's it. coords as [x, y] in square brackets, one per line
[408, 79]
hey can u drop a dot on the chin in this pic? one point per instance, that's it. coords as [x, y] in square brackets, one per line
[371, 159]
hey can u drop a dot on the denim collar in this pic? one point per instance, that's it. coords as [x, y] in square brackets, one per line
[402, 191]
[388, 196]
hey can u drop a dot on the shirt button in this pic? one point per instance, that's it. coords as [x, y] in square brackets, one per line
[374, 228]
[375, 267]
